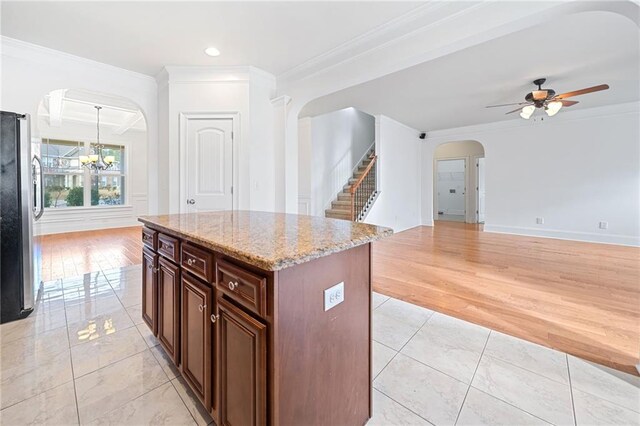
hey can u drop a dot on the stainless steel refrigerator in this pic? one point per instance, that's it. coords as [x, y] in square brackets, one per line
[21, 204]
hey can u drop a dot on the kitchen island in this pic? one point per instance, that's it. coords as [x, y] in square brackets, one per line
[266, 315]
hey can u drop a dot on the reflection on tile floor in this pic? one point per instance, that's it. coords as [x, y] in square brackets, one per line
[85, 356]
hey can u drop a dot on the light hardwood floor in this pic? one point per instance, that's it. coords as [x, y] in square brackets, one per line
[76, 253]
[579, 298]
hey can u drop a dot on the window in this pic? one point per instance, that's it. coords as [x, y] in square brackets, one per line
[64, 176]
[110, 183]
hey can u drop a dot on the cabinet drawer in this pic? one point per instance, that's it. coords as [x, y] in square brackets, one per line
[150, 238]
[244, 287]
[197, 261]
[169, 247]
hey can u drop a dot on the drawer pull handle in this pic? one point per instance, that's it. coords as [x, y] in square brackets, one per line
[214, 318]
[191, 262]
[201, 307]
[232, 285]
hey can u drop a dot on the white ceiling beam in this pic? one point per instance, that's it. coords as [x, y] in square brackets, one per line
[56, 100]
[128, 124]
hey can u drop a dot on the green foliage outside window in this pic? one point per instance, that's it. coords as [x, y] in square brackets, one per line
[52, 195]
[47, 199]
[76, 196]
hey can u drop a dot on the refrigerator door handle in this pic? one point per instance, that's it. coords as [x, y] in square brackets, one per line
[39, 214]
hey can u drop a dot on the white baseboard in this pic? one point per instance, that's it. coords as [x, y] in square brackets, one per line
[62, 227]
[85, 219]
[591, 237]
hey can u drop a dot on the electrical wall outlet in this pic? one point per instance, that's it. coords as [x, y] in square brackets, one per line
[540, 220]
[333, 296]
[603, 225]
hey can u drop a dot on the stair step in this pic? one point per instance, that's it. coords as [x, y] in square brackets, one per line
[344, 196]
[337, 214]
[342, 205]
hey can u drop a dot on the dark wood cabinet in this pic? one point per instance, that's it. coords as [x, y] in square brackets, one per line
[250, 342]
[242, 366]
[197, 343]
[150, 289]
[169, 308]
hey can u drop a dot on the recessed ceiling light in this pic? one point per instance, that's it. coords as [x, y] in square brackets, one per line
[212, 51]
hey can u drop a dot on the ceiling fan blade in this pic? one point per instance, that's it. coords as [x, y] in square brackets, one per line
[504, 105]
[582, 91]
[568, 103]
[511, 112]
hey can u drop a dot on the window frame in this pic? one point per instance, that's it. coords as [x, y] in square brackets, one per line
[87, 174]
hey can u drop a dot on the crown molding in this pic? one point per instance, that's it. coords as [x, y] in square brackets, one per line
[389, 29]
[281, 101]
[32, 52]
[215, 74]
[471, 132]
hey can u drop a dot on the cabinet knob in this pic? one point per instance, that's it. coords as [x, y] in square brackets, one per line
[233, 285]
[150, 266]
[191, 201]
[190, 262]
[201, 307]
[154, 269]
[214, 318]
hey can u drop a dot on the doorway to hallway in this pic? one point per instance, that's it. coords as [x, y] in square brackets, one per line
[459, 182]
[451, 189]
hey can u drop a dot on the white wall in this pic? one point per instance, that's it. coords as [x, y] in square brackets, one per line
[243, 91]
[30, 72]
[304, 164]
[469, 151]
[334, 145]
[574, 170]
[399, 176]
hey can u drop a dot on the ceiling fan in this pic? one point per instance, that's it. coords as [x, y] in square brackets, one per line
[547, 99]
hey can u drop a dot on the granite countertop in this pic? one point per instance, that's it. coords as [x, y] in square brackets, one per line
[270, 241]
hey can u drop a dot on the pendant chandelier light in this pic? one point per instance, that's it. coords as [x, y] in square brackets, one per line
[97, 161]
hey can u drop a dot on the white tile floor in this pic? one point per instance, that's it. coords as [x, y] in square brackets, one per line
[433, 368]
[86, 357]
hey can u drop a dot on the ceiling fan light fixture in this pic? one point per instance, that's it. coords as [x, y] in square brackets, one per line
[527, 111]
[539, 95]
[552, 108]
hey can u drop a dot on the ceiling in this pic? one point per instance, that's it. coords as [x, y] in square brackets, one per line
[65, 107]
[145, 36]
[453, 91]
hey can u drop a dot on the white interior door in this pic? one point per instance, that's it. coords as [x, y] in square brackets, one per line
[481, 202]
[209, 164]
[451, 189]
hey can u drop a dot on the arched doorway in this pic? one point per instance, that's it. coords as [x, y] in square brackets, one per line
[75, 196]
[459, 184]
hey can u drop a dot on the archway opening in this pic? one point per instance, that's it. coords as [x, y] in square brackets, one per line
[67, 129]
[459, 182]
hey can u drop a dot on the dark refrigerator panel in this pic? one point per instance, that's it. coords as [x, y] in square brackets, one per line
[19, 281]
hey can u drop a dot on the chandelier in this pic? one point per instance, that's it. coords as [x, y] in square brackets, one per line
[97, 161]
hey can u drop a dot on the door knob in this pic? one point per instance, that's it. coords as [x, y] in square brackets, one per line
[191, 201]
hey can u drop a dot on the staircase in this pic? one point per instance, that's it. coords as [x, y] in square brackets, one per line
[357, 196]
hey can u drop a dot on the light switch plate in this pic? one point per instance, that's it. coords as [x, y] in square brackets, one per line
[333, 296]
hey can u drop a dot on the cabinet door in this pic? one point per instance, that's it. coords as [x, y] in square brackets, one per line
[150, 290]
[242, 366]
[196, 336]
[169, 308]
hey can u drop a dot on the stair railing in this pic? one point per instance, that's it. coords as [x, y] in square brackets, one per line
[363, 189]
